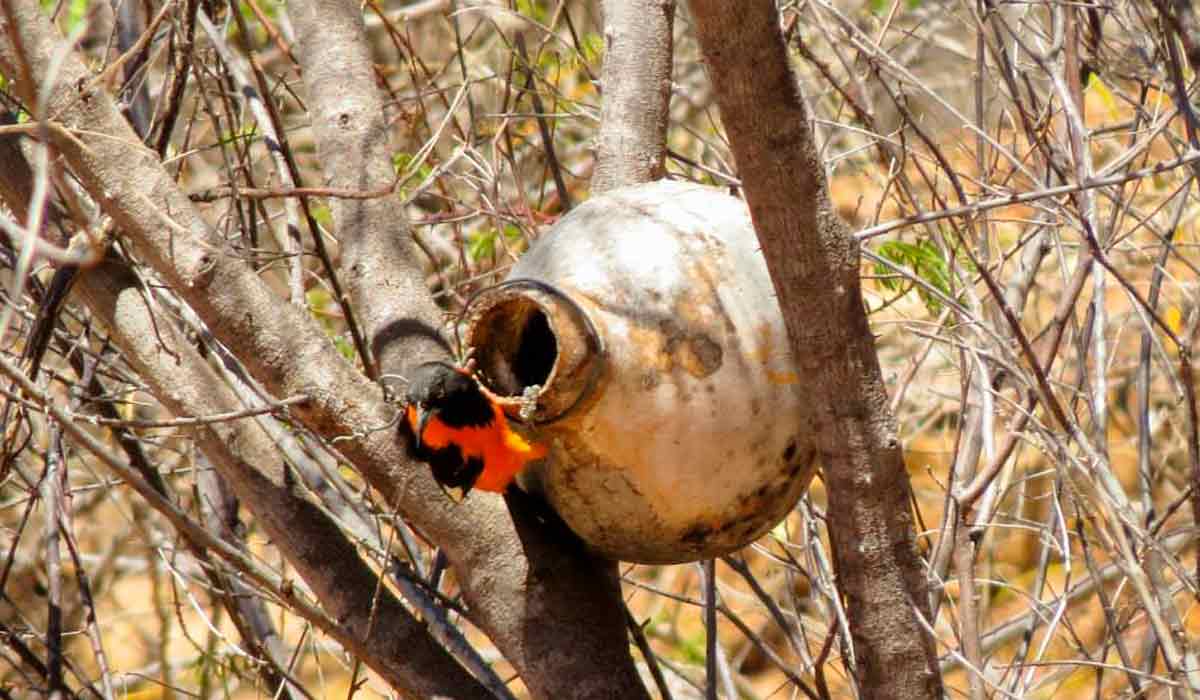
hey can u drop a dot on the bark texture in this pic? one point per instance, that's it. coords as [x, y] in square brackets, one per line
[814, 264]
[552, 609]
[378, 265]
[394, 643]
[636, 82]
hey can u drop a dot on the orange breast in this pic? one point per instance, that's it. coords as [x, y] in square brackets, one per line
[504, 452]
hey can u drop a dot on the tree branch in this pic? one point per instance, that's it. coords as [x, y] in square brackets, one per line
[636, 79]
[814, 264]
[378, 631]
[378, 261]
[551, 641]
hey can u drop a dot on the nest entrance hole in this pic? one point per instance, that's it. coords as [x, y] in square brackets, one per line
[515, 346]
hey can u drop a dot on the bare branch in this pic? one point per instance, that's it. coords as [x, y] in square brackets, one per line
[378, 260]
[814, 264]
[381, 632]
[636, 79]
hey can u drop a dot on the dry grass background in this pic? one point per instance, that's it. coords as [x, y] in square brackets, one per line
[1058, 605]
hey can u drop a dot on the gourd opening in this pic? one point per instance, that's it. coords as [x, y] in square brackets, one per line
[515, 346]
[527, 334]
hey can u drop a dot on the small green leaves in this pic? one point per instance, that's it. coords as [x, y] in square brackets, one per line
[403, 167]
[481, 245]
[923, 259]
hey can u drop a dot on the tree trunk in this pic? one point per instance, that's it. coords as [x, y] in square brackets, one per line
[814, 264]
[636, 83]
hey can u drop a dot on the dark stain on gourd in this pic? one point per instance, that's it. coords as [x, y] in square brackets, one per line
[669, 341]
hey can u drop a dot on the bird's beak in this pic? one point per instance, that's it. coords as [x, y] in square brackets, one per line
[423, 416]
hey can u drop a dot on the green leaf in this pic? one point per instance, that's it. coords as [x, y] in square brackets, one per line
[76, 14]
[345, 347]
[534, 9]
[322, 214]
[402, 166]
[318, 299]
[481, 245]
[925, 260]
[1096, 85]
[591, 45]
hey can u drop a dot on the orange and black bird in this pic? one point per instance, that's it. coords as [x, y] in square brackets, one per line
[462, 432]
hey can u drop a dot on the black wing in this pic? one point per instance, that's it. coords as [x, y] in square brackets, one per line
[449, 468]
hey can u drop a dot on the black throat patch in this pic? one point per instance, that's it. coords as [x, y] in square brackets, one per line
[453, 396]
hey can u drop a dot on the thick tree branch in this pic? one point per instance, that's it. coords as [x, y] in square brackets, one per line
[382, 273]
[636, 79]
[551, 609]
[552, 641]
[378, 631]
[814, 263]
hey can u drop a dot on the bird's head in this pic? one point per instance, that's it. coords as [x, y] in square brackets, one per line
[440, 390]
